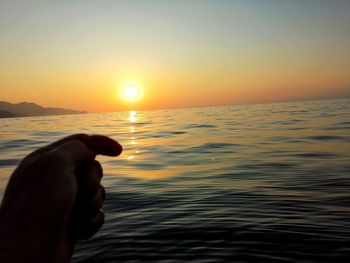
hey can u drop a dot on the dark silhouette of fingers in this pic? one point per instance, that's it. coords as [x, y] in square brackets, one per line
[98, 144]
[103, 145]
[87, 229]
[95, 203]
[103, 193]
[89, 177]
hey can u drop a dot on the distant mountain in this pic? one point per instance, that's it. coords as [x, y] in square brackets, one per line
[25, 109]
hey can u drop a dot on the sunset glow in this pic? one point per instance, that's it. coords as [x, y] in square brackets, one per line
[178, 53]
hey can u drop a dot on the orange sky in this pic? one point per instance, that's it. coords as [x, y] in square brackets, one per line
[183, 53]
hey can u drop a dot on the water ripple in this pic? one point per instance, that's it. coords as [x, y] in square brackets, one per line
[219, 184]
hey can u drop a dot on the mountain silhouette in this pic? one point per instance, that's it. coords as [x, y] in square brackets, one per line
[26, 109]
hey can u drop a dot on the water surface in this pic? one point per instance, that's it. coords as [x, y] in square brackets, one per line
[235, 183]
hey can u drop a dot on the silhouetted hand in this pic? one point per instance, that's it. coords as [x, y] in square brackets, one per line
[54, 198]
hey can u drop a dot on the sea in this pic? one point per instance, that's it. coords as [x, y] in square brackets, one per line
[244, 183]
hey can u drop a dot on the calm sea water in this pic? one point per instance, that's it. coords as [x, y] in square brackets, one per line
[238, 183]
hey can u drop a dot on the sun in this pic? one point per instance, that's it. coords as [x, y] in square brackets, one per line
[131, 92]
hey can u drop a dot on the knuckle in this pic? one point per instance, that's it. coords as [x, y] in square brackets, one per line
[99, 168]
[94, 165]
[90, 227]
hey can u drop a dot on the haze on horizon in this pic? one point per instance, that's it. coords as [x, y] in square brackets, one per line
[74, 54]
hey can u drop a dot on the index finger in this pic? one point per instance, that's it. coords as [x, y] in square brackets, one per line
[104, 145]
[98, 144]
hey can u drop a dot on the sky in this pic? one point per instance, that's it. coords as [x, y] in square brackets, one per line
[75, 54]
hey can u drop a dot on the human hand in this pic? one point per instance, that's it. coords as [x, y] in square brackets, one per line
[54, 198]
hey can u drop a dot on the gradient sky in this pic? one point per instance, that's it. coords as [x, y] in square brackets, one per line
[73, 54]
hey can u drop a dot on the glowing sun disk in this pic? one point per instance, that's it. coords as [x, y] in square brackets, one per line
[130, 92]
